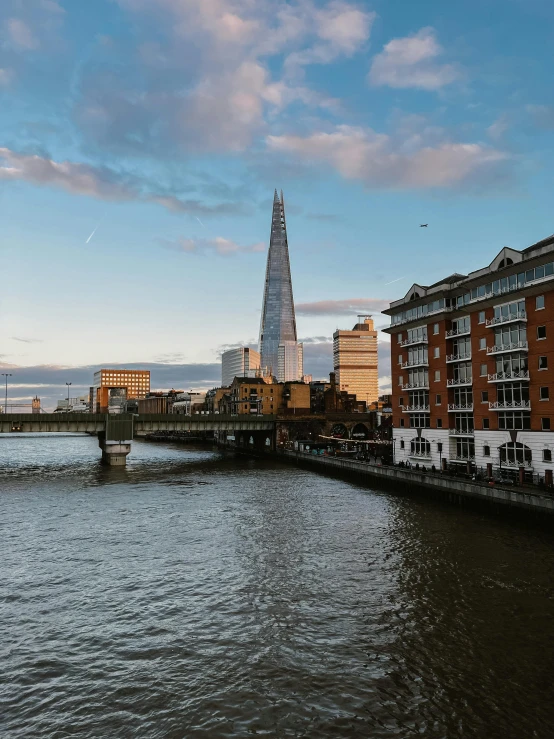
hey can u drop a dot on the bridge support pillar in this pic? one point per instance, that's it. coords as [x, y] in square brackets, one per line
[115, 454]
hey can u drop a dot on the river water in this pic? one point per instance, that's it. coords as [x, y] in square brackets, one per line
[195, 594]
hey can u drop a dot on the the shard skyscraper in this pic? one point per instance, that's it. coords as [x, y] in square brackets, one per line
[280, 352]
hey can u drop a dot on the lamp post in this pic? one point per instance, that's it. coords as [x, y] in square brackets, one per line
[68, 384]
[6, 375]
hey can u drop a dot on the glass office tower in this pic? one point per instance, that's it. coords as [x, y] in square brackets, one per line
[278, 324]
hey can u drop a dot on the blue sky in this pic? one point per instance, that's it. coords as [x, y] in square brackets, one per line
[163, 126]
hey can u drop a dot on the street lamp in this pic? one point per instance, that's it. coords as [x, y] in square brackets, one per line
[68, 384]
[6, 375]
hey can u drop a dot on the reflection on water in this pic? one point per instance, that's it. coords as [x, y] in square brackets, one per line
[200, 595]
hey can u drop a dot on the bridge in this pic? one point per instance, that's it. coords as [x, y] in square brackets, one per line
[116, 432]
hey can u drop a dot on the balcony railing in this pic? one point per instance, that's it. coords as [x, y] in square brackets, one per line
[457, 382]
[457, 332]
[420, 455]
[463, 357]
[514, 346]
[415, 409]
[460, 407]
[416, 386]
[509, 376]
[413, 342]
[463, 458]
[423, 385]
[514, 464]
[461, 432]
[415, 363]
[521, 315]
[510, 405]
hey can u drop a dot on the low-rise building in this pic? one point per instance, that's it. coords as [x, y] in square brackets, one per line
[113, 387]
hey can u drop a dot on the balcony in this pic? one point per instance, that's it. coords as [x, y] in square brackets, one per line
[463, 458]
[415, 409]
[514, 346]
[420, 455]
[416, 386]
[510, 405]
[521, 315]
[514, 464]
[461, 432]
[460, 407]
[459, 383]
[415, 363]
[454, 332]
[458, 357]
[509, 376]
[413, 342]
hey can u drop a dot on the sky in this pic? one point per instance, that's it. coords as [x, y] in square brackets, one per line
[141, 142]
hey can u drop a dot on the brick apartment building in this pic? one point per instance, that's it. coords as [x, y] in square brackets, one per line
[472, 362]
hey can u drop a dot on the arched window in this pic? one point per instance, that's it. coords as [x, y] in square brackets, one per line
[420, 447]
[414, 296]
[515, 454]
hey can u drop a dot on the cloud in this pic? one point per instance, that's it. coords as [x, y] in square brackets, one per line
[6, 76]
[497, 129]
[349, 306]
[380, 161]
[410, 62]
[21, 35]
[27, 341]
[218, 245]
[543, 115]
[99, 182]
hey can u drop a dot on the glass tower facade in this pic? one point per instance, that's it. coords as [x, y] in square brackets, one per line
[278, 323]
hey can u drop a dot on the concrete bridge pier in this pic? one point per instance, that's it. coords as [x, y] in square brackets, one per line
[114, 453]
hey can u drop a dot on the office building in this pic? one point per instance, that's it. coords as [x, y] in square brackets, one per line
[472, 361]
[113, 387]
[278, 323]
[239, 362]
[355, 360]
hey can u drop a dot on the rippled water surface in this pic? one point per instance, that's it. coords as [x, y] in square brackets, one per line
[201, 595]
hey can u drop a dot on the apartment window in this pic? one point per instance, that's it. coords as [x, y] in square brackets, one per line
[400, 359]
[439, 423]
[401, 421]
[481, 316]
[484, 396]
[401, 443]
[546, 455]
[436, 352]
[482, 343]
[486, 451]
[436, 328]
[539, 302]
[437, 375]
[543, 363]
[544, 394]
[400, 379]
[545, 424]
[401, 400]
[541, 332]
[486, 424]
[399, 338]
[483, 370]
[437, 400]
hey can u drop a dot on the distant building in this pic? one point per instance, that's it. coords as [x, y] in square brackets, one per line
[155, 402]
[113, 387]
[35, 405]
[189, 403]
[239, 362]
[67, 405]
[281, 354]
[355, 360]
[290, 361]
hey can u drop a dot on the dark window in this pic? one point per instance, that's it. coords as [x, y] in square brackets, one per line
[545, 424]
[543, 362]
[544, 393]
[484, 396]
[401, 443]
[541, 332]
[400, 400]
[438, 400]
[439, 423]
[486, 423]
[401, 421]
[546, 455]
[486, 451]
